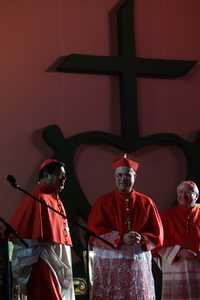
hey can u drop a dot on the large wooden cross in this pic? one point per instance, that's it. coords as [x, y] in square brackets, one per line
[127, 65]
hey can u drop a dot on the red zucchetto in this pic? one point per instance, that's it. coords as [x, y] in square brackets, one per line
[47, 162]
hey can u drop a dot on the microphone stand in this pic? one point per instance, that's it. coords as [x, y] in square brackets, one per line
[90, 232]
[6, 276]
[11, 179]
[11, 230]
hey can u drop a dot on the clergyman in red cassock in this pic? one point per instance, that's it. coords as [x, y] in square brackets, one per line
[180, 254]
[131, 222]
[44, 271]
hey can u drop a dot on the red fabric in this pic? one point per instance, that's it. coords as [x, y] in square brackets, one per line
[35, 221]
[109, 214]
[47, 162]
[182, 227]
[125, 162]
[42, 283]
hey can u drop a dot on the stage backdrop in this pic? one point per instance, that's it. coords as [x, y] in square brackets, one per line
[35, 33]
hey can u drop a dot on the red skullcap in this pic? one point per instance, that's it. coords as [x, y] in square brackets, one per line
[125, 162]
[46, 162]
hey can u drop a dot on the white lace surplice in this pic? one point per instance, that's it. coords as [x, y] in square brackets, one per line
[58, 258]
[181, 278]
[123, 274]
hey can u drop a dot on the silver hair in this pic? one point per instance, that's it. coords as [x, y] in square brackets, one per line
[187, 183]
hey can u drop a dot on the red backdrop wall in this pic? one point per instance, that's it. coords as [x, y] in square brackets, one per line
[34, 33]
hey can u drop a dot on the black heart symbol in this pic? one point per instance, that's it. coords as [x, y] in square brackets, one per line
[65, 149]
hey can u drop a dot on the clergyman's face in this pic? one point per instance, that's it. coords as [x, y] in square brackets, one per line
[125, 179]
[188, 195]
[58, 179]
[54, 183]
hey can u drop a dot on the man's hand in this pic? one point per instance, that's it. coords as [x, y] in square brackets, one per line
[132, 238]
[187, 254]
[65, 277]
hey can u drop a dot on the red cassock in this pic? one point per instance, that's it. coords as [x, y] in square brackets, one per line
[124, 272]
[114, 210]
[182, 227]
[33, 220]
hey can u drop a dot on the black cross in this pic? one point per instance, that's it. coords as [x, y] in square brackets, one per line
[127, 66]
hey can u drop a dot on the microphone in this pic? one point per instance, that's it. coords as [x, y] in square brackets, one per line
[12, 180]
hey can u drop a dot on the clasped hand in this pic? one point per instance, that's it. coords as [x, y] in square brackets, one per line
[132, 238]
[187, 254]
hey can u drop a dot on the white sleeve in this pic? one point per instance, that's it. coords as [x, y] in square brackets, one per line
[169, 253]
